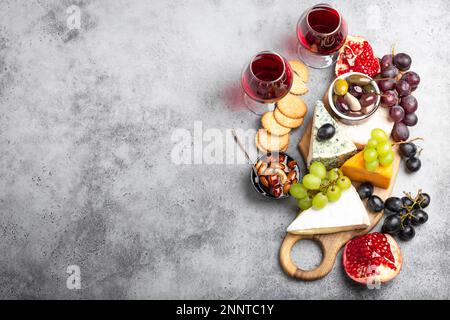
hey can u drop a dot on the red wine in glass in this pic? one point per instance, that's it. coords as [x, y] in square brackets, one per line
[321, 32]
[265, 80]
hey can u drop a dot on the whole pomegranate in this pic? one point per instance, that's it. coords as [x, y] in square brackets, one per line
[372, 257]
[356, 55]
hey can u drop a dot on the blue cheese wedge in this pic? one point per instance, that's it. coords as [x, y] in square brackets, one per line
[348, 213]
[333, 152]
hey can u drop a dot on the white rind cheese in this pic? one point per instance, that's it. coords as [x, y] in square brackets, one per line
[361, 133]
[348, 213]
[333, 152]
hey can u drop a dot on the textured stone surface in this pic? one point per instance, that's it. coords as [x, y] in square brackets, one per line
[86, 176]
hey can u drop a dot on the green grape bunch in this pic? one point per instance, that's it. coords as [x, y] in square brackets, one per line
[378, 151]
[319, 187]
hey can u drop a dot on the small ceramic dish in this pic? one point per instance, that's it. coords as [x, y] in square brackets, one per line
[347, 118]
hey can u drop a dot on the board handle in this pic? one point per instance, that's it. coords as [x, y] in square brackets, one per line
[329, 252]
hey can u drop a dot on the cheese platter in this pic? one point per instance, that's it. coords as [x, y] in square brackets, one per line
[353, 147]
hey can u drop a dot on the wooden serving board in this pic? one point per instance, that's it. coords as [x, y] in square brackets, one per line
[329, 243]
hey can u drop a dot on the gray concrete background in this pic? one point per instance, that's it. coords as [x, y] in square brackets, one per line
[85, 139]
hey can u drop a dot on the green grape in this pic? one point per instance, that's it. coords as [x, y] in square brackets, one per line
[311, 182]
[318, 169]
[319, 201]
[384, 148]
[386, 159]
[370, 155]
[372, 143]
[372, 166]
[333, 174]
[344, 183]
[298, 191]
[379, 135]
[334, 193]
[304, 203]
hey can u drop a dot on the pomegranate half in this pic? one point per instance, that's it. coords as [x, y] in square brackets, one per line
[372, 257]
[356, 55]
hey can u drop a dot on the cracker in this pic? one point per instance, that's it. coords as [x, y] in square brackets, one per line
[292, 107]
[258, 145]
[267, 142]
[270, 124]
[299, 87]
[300, 69]
[286, 121]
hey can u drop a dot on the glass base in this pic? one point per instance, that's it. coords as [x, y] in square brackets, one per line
[256, 107]
[316, 61]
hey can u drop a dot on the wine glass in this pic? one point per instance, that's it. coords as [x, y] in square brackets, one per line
[265, 80]
[321, 32]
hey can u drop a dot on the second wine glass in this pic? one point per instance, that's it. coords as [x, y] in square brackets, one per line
[321, 32]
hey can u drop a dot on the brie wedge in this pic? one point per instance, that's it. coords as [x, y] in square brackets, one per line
[348, 213]
[361, 133]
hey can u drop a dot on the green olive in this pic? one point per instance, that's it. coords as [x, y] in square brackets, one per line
[359, 80]
[369, 89]
[340, 87]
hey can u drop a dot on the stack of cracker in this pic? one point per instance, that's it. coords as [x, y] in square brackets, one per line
[288, 114]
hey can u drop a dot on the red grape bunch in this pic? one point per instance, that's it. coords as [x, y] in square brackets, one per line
[397, 83]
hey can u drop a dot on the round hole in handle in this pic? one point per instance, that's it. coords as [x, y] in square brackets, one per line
[329, 252]
[307, 254]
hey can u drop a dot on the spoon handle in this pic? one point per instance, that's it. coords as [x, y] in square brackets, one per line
[238, 142]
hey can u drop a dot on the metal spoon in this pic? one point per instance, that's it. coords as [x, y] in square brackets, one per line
[252, 163]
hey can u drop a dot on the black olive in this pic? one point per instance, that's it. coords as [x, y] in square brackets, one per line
[326, 132]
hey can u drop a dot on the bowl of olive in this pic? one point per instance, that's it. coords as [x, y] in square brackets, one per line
[354, 97]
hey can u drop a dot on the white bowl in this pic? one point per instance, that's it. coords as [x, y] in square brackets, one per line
[346, 118]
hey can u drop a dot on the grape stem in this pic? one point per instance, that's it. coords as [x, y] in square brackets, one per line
[408, 141]
[323, 187]
[409, 209]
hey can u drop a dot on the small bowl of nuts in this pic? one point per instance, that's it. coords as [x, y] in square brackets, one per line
[354, 97]
[275, 173]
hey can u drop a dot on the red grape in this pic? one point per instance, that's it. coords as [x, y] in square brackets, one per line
[402, 61]
[389, 72]
[386, 61]
[386, 84]
[409, 103]
[400, 132]
[412, 78]
[389, 98]
[410, 119]
[397, 113]
[403, 89]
